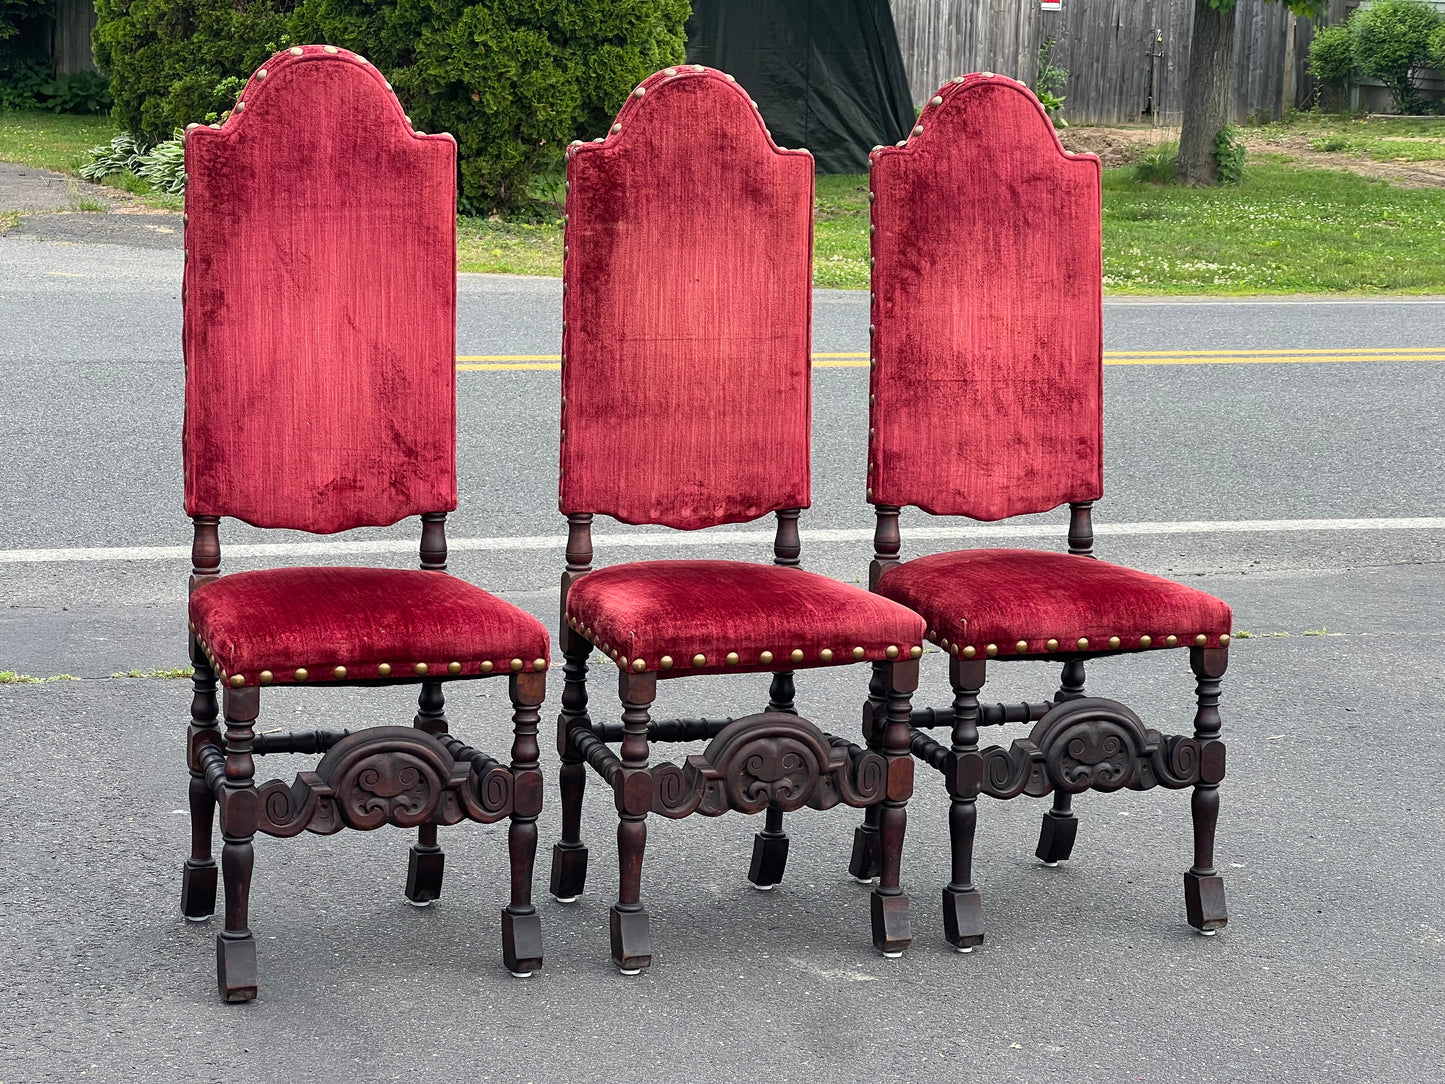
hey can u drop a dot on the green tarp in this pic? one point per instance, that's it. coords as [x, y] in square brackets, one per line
[826, 76]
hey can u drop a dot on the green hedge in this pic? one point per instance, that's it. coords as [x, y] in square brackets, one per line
[513, 80]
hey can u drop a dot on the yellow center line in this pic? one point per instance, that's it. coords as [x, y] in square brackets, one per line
[553, 362]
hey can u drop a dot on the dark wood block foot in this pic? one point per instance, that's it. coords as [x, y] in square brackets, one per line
[424, 876]
[631, 941]
[198, 890]
[569, 871]
[892, 927]
[867, 861]
[236, 968]
[1056, 837]
[770, 857]
[963, 918]
[1204, 901]
[521, 942]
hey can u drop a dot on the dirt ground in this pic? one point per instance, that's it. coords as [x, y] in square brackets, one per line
[1124, 146]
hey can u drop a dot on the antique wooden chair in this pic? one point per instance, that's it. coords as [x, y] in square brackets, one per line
[987, 401]
[319, 336]
[686, 403]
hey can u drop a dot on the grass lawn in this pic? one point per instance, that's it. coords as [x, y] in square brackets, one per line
[55, 141]
[1383, 139]
[1288, 229]
[60, 141]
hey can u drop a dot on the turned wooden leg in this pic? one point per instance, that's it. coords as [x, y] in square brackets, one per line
[962, 905]
[425, 865]
[1061, 827]
[569, 856]
[631, 937]
[235, 947]
[892, 926]
[770, 846]
[521, 926]
[1203, 887]
[198, 877]
[770, 852]
[867, 859]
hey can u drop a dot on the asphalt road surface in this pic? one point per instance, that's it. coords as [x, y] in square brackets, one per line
[1302, 441]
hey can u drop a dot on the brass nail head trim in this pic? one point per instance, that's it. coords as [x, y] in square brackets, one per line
[796, 655]
[991, 650]
[237, 680]
[826, 654]
[890, 652]
[1171, 641]
[488, 666]
[732, 658]
[699, 659]
[665, 662]
[858, 652]
[969, 652]
[454, 668]
[1083, 643]
[765, 658]
[384, 670]
[1022, 646]
[1145, 641]
[301, 674]
[1051, 645]
[515, 665]
[421, 669]
[1224, 640]
[639, 665]
[266, 677]
[339, 673]
[1201, 640]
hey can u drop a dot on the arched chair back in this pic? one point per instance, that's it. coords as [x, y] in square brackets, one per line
[687, 314]
[987, 311]
[320, 303]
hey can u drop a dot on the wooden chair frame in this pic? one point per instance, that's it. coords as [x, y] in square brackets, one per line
[1064, 755]
[740, 770]
[461, 783]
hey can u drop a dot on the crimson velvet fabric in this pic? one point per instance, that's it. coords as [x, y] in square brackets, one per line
[320, 303]
[991, 599]
[298, 624]
[687, 311]
[987, 311]
[667, 613]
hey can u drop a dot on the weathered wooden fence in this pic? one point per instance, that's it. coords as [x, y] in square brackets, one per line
[1127, 59]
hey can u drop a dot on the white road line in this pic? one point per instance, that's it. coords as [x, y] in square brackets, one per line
[683, 539]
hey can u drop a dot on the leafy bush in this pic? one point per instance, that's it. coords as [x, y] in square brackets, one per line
[81, 92]
[1332, 56]
[1229, 156]
[24, 56]
[1330, 143]
[120, 154]
[513, 80]
[1158, 166]
[162, 166]
[1437, 47]
[1050, 82]
[1392, 39]
[22, 78]
[172, 62]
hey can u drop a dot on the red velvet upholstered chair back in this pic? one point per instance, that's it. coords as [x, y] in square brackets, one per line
[320, 303]
[987, 311]
[687, 316]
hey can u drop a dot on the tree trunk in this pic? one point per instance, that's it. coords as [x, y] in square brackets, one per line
[1206, 93]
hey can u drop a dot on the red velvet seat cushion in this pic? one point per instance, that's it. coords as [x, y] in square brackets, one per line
[692, 617]
[301, 624]
[990, 600]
